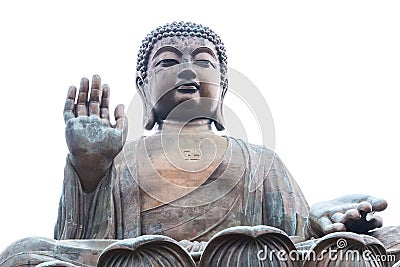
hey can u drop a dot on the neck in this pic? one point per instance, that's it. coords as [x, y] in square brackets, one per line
[196, 126]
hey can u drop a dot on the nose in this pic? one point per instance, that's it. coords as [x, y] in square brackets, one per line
[187, 74]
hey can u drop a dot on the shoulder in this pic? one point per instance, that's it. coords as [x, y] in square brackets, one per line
[259, 155]
[252, 150]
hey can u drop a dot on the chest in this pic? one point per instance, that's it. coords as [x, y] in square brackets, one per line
[169, 168]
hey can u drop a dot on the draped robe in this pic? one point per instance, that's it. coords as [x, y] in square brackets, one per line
[251, 186]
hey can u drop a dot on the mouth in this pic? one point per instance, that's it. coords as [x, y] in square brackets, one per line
[188, 88]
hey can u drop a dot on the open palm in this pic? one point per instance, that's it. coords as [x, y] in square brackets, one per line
[92, 140]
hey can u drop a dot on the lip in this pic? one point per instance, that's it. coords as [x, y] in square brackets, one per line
[188, 88]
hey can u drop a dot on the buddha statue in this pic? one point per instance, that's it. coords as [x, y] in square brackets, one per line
[186, 195]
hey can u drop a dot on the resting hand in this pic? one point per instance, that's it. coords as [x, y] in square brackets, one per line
[352, 213]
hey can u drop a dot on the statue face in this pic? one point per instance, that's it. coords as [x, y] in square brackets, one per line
[183, 78]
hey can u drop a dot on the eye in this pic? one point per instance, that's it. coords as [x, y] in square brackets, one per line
[168, 62]
[204, 63]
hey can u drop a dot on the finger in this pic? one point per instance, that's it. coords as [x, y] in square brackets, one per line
[374, 221]
[337, 217]
[105, 102]
[352, 214]
[69, 104]
[120, 118]
[95, 96]
[81, 108]
[364, 207]
[354, 198]
[335, 227]
[378, 204]
[328, 226]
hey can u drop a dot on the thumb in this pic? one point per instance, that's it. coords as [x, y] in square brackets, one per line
[120, 118]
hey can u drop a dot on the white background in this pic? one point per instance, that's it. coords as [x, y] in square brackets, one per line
[328, 70]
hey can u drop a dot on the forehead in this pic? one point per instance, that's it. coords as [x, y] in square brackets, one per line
[184, 44]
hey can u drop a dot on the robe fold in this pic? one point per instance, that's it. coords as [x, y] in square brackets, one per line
[251, 186]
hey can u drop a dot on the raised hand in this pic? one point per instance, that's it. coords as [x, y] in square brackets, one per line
[92, 140]
[352, 213]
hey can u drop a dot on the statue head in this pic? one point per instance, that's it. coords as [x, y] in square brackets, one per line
[182, 64]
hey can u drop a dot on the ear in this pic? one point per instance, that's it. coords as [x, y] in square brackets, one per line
[149, 117]
[219, 120]
[149, 120]
[219, 117]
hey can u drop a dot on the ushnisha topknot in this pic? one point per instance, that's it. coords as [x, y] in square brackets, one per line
[182, 29]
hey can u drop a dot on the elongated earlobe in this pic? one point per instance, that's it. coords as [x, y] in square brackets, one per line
[149, 118]
[219, 119]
